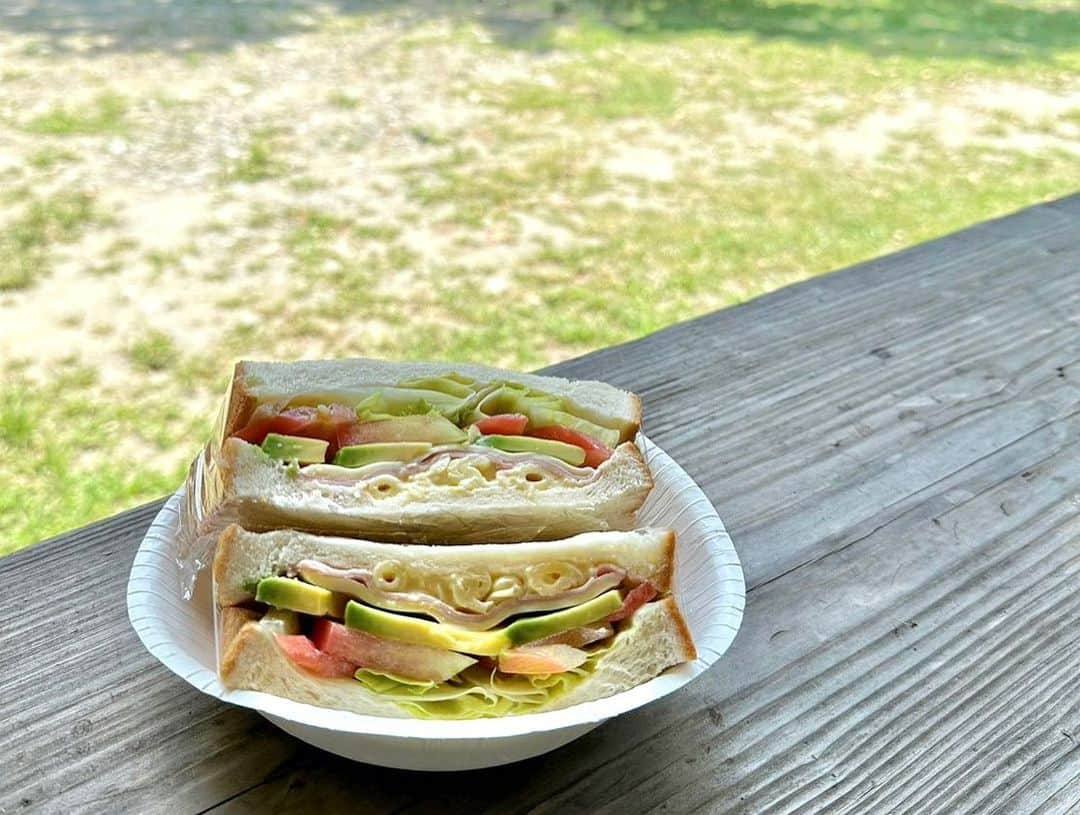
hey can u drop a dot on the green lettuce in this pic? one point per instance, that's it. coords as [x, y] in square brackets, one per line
[477, 692]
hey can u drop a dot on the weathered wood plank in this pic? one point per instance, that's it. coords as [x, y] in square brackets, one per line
[852, 684]
[892, 444]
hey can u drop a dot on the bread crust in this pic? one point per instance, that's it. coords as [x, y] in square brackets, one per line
[682, 630]
[231, 622]
[239, 401]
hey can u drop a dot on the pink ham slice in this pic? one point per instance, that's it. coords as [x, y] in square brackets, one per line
[387, 656]
[634, 599]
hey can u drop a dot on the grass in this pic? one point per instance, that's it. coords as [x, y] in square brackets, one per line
[48, 157]
[59, 461]
[153, 351]
[599, 91]
[340, 99]
[44, 222]
[104, 116]
[260, 160]
[531, 223]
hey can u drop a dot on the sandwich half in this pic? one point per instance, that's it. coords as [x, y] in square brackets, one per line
[444, 632]
[420, 453]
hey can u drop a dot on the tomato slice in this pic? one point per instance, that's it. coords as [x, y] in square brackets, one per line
[303, 653]
[398, 658]
[635, 599]
[503, 424]
[325, 422]
[595, 453]
[541, 659]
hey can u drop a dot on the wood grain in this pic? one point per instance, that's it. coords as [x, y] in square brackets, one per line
[896, 452]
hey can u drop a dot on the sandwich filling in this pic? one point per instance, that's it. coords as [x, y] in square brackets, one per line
[410, 428]
[511, 651]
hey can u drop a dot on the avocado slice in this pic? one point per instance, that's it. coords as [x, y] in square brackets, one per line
[544, 417]
[295, 595]
[358, 455]
[569, 453]
[424, 632]
[543, 410]
[429, 427]
[528, 629]
[295, 448]
[482, 643]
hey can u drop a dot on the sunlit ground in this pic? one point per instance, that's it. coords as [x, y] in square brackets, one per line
[184, 184]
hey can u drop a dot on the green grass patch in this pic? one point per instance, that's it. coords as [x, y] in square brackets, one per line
[153, 351]
[48, 157]
[342, 100]
[260, 161]
[44, 222]
[105, 115]
[59, 463]
[607, 90]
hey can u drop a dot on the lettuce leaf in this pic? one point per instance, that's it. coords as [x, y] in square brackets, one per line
[477, 692]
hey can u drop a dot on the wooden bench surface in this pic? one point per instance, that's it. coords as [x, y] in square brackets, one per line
[895, 450]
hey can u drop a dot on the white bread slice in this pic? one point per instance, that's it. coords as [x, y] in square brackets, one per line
[255, 383]
[656, 638]
[252, 660]
[242, 485]
[244, 557]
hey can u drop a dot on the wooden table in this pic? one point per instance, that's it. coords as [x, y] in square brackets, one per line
[896, 452]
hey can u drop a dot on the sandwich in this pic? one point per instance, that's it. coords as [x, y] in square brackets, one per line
[418, 453]
[446, 632]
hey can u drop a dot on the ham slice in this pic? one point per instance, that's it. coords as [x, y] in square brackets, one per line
[634, 599]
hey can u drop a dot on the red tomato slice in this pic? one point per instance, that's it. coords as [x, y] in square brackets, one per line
[304, 654]
[325, 422]
[503, 424]
[635, 599]
[399, 658]
[595, 453]
[541, 659]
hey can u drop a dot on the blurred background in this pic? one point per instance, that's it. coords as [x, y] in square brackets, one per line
[188, 182]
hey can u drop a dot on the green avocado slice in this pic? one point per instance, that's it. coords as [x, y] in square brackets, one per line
[295, 595]
[542, 409]
[295, 448]
[569, 453]
[359, 455]
[482, 643]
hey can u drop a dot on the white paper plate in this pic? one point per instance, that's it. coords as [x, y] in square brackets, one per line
[709, 588]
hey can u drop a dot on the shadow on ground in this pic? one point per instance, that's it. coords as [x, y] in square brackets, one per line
[994, 31]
